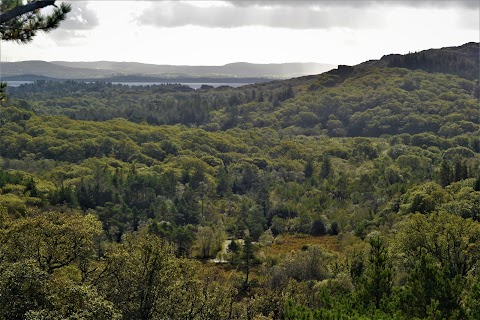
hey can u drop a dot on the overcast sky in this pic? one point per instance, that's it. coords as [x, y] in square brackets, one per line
[276, 31]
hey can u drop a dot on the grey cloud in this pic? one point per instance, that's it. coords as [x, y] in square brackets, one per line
[177, 14]
[356, 3]
[81, 17]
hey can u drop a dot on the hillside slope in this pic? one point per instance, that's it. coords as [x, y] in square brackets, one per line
[105, 69]
[365, 100]
[48, 69]
[328, 189]
[239, 69]
[463, 60]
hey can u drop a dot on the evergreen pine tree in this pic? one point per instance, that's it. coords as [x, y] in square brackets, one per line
[308, 171]
[326, 169]
[425, 287]
[377, 282]
[445, 174]
[21, 23]
[247, 255]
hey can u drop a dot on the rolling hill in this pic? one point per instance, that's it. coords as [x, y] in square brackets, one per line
[462, 60]
[371, 99]
[322, 185]
[108, 69]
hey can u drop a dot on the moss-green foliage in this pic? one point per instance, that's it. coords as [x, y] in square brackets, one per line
[104, 217]
[368, 102]
[455, 60]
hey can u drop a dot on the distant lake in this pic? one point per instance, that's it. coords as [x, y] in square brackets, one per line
[17, 83]
[190, 84]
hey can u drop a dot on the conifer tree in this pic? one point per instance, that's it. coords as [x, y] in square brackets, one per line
[308, 171]
[21, 21]
[426, 286]
[379, 273]
[326, 169]
[247, 255]
[446, 176]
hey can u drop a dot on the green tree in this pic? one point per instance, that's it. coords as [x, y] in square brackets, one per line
[326, 169]
[72, 301]
[23, 287]
[139, 277]
[476, 186]
[209, 241]
[446, 176]
[21, 21]
[3, 93]
[297, 312]
[308, 170]
[460, 170]
[255, 221]
[471, 300]
[453, 241]
[54, 240]
[377, 282]
[234, 250]
[426, 287]
[224, 182]
[247, 256]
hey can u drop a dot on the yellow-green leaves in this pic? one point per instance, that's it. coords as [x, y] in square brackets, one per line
[453, 241]
[53, 239]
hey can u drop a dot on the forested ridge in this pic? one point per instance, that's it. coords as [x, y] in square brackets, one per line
[354, 194]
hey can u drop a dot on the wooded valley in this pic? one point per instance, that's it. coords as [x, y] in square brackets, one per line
[353, 194]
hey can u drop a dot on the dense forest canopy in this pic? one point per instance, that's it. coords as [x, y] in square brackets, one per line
[354, 194]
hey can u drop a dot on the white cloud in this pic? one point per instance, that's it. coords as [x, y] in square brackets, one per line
[74, 29]
[82, 17]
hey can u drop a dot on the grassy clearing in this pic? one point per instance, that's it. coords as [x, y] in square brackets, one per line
[287, 243]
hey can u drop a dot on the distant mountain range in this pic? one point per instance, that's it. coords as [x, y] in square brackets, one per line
[134, 71]
[462, 60]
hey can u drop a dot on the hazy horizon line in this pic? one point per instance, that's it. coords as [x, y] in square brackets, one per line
[180, 65]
